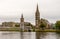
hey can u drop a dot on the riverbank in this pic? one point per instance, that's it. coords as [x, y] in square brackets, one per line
[10, 29]
[18, 30]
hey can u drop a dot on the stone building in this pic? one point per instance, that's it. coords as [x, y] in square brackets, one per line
[37, 17]
[8, 24]
[25, 25]
[38, 20]
[22, 27]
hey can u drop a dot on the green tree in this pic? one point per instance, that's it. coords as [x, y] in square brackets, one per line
[43, 23]
[17, 25]
[57, 25]
[42, 26]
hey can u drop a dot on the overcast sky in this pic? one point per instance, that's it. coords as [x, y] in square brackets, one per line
[11, 10]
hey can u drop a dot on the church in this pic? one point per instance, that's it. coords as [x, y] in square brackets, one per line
[38, 21]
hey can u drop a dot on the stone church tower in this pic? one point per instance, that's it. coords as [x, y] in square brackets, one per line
[22, 22]
[37, 17]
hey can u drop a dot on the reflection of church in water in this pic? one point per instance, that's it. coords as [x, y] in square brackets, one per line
[38, 21]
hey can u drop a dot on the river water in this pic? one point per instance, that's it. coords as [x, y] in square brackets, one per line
[29, 35]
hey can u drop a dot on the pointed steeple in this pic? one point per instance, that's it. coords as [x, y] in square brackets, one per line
[37, 8]
[22, 16]
[37, 17]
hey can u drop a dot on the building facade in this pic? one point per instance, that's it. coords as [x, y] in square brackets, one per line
[8, 24]
[22, 23]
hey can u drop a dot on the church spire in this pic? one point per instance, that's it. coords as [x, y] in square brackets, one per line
[37, 17]
[37, 8]
[22, 22]
[22, 16]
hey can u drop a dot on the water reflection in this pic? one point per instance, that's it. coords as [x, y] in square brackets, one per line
[40, 35]
[17, 35]
[46, 35]
[29, 35]
[58, 35]
[9, 35]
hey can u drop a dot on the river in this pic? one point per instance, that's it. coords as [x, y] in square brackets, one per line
[29, 35]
